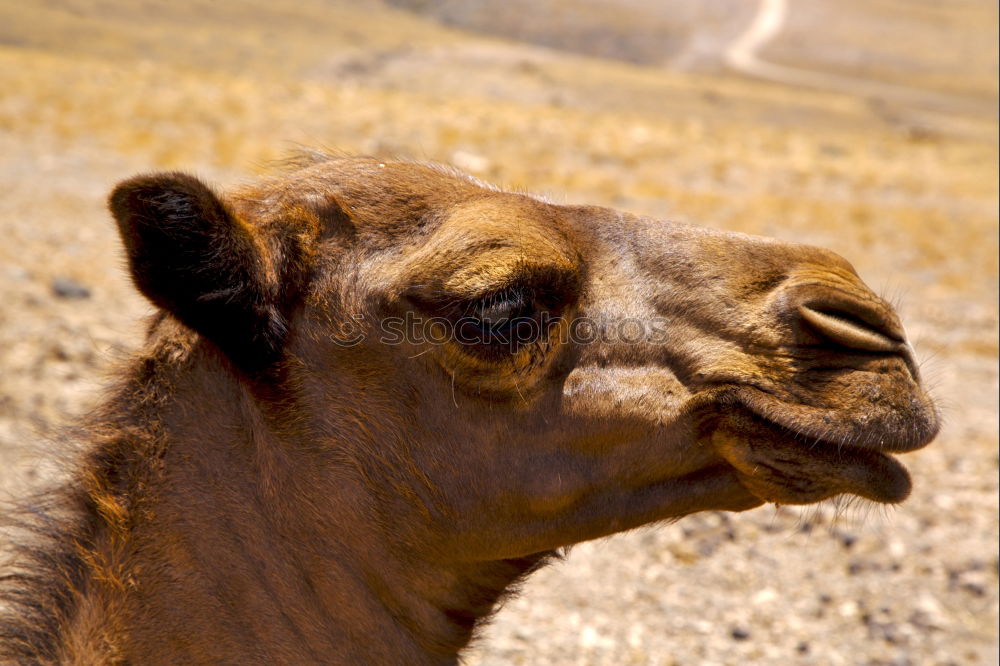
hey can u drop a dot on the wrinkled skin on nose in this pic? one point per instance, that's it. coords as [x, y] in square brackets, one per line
[777, 356]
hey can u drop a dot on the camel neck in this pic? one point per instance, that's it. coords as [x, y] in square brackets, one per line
[251, 543]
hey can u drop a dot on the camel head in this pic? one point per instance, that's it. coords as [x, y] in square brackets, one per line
[501, 375]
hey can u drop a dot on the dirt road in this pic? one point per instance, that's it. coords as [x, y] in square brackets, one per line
[743, 54]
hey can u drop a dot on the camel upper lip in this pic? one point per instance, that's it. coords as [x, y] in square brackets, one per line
[922, 427]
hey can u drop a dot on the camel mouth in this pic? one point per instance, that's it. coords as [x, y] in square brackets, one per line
[781, 465]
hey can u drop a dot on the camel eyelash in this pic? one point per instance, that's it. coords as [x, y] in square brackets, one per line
[544, 289]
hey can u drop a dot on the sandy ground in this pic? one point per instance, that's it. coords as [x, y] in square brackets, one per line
[915, 209]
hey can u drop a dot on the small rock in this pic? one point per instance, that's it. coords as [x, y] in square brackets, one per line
[974, 589]
[68, 288]
[888, 631]
[18, 273]
[847, 540]
[848, 609]
[923, 621]
[764, 596]
[739, 634]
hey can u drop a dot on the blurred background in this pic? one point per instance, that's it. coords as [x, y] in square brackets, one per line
[865, 126]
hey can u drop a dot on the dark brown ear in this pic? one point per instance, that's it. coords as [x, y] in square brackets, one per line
[191, 256]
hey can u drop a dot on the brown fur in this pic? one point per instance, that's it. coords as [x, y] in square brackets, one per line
[255, 493]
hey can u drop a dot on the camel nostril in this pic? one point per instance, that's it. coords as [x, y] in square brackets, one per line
[853, 329]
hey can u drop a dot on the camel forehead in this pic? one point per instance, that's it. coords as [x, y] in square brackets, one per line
[368, 177]
[488, 239]
[382, 198]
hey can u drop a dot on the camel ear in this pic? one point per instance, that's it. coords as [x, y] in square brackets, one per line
[191, 256]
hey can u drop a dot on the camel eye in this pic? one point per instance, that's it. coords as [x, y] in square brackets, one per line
[500, 311]
[501, 324]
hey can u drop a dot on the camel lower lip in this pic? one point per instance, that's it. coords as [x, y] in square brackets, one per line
[777, 466]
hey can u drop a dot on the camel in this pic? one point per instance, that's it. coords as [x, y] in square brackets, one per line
[366, 409]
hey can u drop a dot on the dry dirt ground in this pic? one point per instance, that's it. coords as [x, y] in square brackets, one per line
[92, 91]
